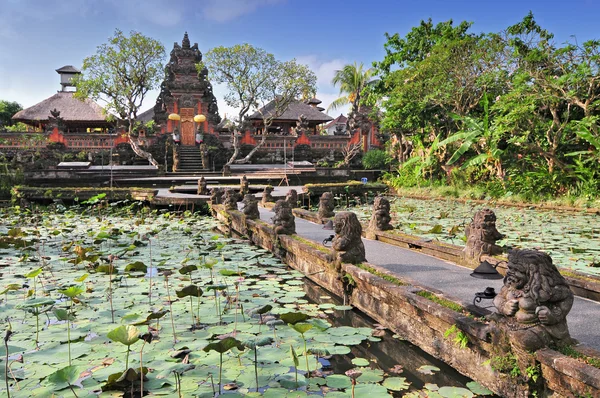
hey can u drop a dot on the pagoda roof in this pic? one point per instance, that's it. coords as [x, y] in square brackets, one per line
[71, 110]
[314, 101]
[68, 69]
[293, 112]
[341, 119]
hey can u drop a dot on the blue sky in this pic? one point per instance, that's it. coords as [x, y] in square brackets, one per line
[39, 36]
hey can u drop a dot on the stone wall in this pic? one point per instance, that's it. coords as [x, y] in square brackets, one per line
[399, 305]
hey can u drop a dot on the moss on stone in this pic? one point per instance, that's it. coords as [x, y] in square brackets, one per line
[389, 278]
[441, 301]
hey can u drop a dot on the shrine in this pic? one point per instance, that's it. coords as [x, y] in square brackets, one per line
[186, 93]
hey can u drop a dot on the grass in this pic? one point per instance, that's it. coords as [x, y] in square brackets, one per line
[389, 278]
[310, 243]
[477, 193]
[441, 301]
[573, 353]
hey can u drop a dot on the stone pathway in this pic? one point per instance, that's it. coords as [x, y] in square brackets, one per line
[452, 279]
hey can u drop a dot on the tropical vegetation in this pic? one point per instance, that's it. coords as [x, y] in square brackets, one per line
[511, 111]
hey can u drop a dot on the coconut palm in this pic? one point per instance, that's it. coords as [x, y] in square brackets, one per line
[351, 79]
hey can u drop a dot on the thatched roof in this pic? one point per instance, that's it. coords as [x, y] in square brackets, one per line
[146, 116]
[293, 112]
[71, 110]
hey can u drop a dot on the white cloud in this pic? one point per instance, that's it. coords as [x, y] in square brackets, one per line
[227, 10]
[325, 70]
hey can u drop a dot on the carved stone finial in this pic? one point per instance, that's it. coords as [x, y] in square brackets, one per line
[215, 196]
[380, 220]
[266, 196]
[292, 198]
[482, 235]
[244, 188]
[347, 243]
[284, 220]
[54, 120]
[230, 199]
[326, 206]
[185, 43]
[202, 190]
[250, 207]
[534, 301]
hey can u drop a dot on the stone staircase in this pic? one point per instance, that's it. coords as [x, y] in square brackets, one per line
[190, 160]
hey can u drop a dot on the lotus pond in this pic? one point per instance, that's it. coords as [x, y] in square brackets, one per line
[571, 238]
[116, 300]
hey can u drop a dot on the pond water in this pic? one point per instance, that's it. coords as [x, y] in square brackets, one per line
[80, 286]
[571, 238]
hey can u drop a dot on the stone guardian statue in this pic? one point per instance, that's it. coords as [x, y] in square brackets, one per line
[250, 207]
[283, 220]
[482, 235]
[347, 243]
[534, 301]
[326, 206]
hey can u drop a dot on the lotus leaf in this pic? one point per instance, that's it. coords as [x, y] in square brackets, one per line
[293, 317]
[191, 290]
[124, 334]
[455, 392]
[63, 378]
[478, 389]
[396, 383]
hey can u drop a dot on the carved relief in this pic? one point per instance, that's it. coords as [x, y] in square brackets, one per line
[534, 301]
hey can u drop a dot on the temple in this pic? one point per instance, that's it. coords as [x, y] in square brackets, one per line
[76, 115]
[186, 92]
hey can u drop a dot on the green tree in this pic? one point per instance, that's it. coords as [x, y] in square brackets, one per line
[352, 80]
[120, 74]
[7, 111]
[255, 78]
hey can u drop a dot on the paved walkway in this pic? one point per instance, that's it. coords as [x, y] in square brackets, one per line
[583, 320]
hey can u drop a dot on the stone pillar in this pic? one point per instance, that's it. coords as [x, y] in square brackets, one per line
[326, 206]
[284, 220]
[482, 235]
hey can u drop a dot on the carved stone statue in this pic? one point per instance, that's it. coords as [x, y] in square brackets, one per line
[380, 220]
[216, 196]
[230, 199]
[250, 207]
[292, 198]
[302, 125]
[284, 218]
[534, 301]
[266, 196]
[482, 235]
[347, 243]
[244, 188]
[202, 190]
[55, 120]
[326, 206]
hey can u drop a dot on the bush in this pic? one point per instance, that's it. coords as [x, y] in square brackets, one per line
[376, 159]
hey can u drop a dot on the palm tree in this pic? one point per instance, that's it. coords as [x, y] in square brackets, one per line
[351, 79]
